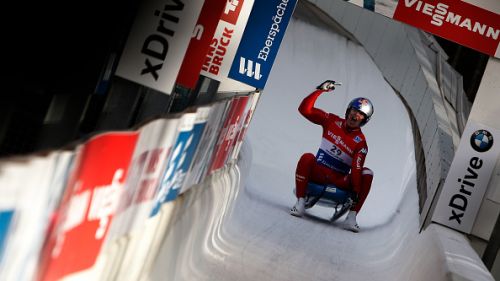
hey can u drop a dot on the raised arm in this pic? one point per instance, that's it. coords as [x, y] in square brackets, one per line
[310, 112]
[307, 108]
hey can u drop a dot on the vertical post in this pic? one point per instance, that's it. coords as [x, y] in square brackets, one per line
[490, 253]
[62, 119]
[153, 104]
[121, 105]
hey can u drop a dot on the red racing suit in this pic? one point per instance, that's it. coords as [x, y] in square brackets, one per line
[340, 158]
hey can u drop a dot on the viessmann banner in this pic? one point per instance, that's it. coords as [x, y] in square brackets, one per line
[468, 178]
[472, 23]
[261, 41]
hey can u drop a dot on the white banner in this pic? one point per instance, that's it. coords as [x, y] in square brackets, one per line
[468, 178]
[150, 155]
[207, 143]
[158, 42]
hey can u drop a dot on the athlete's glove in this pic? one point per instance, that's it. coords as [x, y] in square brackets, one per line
[328, 85]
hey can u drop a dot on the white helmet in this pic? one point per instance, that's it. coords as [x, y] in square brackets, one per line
[364, 106]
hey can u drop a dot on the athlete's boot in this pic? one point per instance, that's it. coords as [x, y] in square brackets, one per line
[350, 222]
[299, 207]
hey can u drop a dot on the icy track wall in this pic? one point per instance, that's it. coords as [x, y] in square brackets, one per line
[92, 237]
[415, 66]
[100, 210]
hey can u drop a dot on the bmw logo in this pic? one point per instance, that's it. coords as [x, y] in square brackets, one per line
[481, 140]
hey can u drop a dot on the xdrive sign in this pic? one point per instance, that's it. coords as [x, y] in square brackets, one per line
[158, 41]
[261, 40]
[458, 202]
[469, 175]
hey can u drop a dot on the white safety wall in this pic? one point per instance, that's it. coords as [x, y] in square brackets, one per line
[252, 236]
[414, 65]
[235, 224]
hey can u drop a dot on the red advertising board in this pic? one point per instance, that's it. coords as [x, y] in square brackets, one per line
[471, 23]
[200, 42]
[88, 205]
[247, 115]
[226, 39]
[228, 133]
[208, 142]
[232, 11]
[454, 20]
[219, 137]
[235, 133]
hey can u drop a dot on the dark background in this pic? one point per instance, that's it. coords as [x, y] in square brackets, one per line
[54, 53]
[56, 49]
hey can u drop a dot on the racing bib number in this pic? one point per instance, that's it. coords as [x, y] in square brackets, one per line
[335, 150]
[331, 149]
[333, 157]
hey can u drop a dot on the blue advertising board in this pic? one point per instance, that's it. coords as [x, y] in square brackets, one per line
[5, 221]
[208, 139]
[261, 41]
[168, 188]
[191, 148]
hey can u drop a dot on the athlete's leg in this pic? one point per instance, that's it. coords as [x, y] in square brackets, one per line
[309, 170]
[303, 172]
[366, 183]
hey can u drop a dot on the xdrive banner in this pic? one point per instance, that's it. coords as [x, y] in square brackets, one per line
[471, 23]
[468, 178]
[261, 41]
[158, 41]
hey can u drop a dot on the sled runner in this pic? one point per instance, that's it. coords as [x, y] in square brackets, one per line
[330, 196]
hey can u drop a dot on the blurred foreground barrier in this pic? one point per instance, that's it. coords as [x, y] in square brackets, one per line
[99, 212]
[88, 204]
[31, 188]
